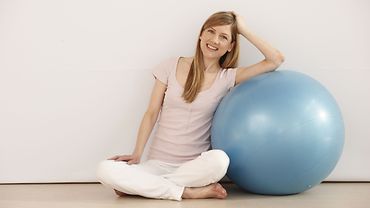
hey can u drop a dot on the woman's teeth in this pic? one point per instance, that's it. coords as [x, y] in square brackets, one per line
[212, 48]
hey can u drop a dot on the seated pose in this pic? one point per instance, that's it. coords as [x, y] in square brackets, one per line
[185, 95]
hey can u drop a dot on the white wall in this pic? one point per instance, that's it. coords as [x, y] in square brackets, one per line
[75, 75]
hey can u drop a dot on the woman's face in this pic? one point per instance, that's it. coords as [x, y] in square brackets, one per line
[215, 41]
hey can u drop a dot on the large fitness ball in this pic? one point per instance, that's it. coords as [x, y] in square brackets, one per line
[283, 132]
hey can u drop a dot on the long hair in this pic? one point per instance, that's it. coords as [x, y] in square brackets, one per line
[195, 77]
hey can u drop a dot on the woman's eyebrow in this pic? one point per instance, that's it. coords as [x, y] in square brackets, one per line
[221, 33]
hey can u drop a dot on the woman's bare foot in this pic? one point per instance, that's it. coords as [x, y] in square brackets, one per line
[214, 190]
[119, 193]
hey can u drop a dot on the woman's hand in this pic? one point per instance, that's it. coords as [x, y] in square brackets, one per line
[240, 23]
[130, 159]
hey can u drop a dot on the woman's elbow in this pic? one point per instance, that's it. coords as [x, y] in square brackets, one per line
[278, 60]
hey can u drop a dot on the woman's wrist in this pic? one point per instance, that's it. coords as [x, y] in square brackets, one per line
[241, 25]
[137, 154]
[245, 32]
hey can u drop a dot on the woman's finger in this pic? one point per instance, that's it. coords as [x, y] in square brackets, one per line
[133, 161]
[124, 158]
[113, 158]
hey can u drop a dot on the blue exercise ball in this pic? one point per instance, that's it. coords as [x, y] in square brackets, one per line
[282, 130]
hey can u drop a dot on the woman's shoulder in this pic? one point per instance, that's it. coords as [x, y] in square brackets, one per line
[228, 71]
[228, 76]
[183, 64]
[187, 60]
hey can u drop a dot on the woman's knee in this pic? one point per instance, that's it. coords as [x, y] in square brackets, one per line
[103, 172]
[219, 160]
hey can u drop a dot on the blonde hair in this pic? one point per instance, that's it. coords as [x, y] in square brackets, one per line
[195, 77]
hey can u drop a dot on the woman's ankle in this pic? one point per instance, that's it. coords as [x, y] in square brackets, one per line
[210, 191]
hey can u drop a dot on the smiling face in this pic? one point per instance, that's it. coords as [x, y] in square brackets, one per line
[218, 41]
[215, 41]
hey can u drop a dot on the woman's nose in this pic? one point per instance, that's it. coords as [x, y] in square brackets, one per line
[215, 39]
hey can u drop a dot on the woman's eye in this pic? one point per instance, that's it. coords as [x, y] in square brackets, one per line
[210, 31]
[224, 37]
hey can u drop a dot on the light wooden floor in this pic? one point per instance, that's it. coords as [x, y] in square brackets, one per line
[336, 195]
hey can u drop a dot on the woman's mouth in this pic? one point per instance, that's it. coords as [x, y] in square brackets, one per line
[212, 47]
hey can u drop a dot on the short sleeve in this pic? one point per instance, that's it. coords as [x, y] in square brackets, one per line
[229, 77]
[162, 71]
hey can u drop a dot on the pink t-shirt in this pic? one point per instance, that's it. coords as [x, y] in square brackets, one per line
[183, 131]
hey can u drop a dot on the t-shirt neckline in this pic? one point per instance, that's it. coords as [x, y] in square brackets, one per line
[182, 88]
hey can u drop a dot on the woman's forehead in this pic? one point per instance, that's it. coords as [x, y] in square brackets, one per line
[222, 29]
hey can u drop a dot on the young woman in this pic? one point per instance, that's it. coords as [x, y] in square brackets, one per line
[186, 93]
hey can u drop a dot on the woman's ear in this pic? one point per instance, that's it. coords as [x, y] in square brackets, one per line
[231, 46]
[201, 36]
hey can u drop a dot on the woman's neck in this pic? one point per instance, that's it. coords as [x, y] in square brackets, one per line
[211, 65]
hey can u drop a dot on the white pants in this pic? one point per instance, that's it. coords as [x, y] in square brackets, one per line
[157, 179]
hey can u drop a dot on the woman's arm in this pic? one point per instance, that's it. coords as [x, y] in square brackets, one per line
[273, 57]
[147, 124]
